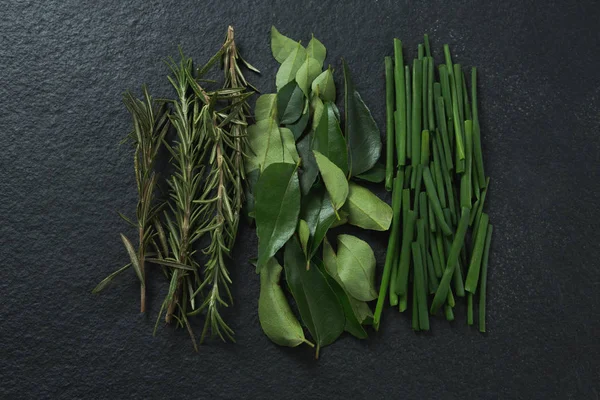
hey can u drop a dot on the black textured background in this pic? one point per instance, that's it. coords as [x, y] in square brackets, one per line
[64, 66]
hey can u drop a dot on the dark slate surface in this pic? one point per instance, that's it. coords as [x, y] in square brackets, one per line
[64, 67]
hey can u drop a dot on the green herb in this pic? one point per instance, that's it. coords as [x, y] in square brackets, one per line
[362, 134]
[317, 302]
[150, 124]
[366, 210]
[356, 267]
[444, 188]
[389, 113]
[305, 162]
[275, 315]
[277, 209]
[483, 281]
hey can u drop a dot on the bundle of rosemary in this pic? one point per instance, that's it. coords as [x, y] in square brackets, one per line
[438, 192]
[206, 190]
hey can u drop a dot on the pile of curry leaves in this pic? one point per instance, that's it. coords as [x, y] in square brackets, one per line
[302, 170]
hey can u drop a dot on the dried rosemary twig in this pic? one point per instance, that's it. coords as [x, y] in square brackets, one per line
[206, 189]
[150, 124]
[224, 187]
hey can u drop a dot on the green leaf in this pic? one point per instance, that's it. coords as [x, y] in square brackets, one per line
[290, 145]
[343, 219]
[334, 179]
[307, 73]
[134, 258]
[170, 263]
[316, 50]
[251, 179]
[362, 311]
[268, 145]
[108, 279]
[319, 307]
[265, 107]
[319, 214]
[375, 174]
[356, 267]
[324, 86]
[276, 318]
[290, 103]
[309, 169]
[277, 206]
[352, 324]
[299, 126]
[281, 46]
[303, 235]
[330, 259]
[289, 68]
[329, 140]
[362, 134]
[366, 210]
[317, 107]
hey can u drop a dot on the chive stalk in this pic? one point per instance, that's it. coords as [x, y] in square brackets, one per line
[389, 113]
[442, 292]
[416, 111]
[401, 116]
[475, 264]
[483, 284]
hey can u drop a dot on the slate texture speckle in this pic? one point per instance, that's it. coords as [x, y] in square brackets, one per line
[65, 65]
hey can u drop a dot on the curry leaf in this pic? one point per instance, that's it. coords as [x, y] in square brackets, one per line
[290, 146]
[268, 144]
[299, 126]
[329, 140]
[303, 235]
[281, 45]
[291, 65]
[362, 134]
[356, 267]
[310, 171]
[319, 307]
[307, 73]
[334, 179]
[366, 210]
[324, 86]
[276, 318]
[277, 206]
[352, 324]
[265, 107]
[319, 214]
[290, 103]
[316, 50]
[375, 174]
[316, 107]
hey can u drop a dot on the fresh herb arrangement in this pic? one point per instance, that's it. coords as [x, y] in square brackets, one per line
[440, 237]
[304, 171]
[150, 125]
[206, 188]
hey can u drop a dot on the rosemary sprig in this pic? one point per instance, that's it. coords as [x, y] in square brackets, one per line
[225, 188]
[187, 223]
[150, 124]
[206, 189]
